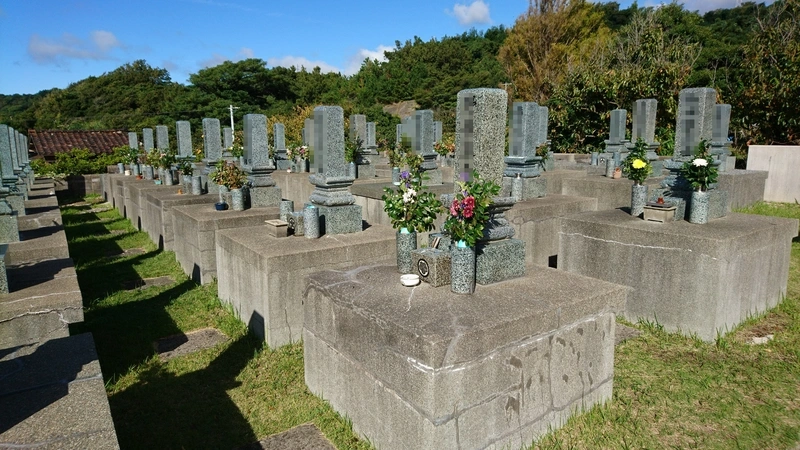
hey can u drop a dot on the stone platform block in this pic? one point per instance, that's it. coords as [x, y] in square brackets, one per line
[424, 368]
[340, 219]
[43, 299]
[36, 244]
[537, 222]
[744, 187]
[610, 193]
[156, 212]
[196, 227]
[136, 198]
[696, 279]
[499, 260]
[782, 163]
[53, 396]
[264, 277]
[531, 187]
[41, 205]
[555, 178]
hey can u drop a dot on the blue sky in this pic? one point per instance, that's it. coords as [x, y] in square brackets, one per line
[52, 43]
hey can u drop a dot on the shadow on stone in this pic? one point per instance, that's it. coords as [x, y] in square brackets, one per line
[306, 436]
[184, 344]
[147, 282]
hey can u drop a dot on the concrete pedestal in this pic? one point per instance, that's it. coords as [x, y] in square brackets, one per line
[425, 368]
[197, 225]
[156, 212]
[264, 277]
[531, 187]
[696, 279]
[610, 193]
[744, 187]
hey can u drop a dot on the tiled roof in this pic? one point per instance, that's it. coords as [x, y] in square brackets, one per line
[47, 143]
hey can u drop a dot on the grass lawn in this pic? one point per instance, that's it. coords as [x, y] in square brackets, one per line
[669, 391]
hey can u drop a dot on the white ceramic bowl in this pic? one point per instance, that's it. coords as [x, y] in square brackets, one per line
[409, 279]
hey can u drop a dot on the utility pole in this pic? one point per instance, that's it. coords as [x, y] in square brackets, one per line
[232, 108]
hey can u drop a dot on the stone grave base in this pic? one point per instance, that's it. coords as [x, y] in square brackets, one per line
[425, 368]
[264, 277]
[48, 242]
[156, 213]
[17, 203]
[555, 178]
[197, 225]
[340, 219]
[136, 193]
[610, 193]
[9, 228]
[434, 177]
[366, 170]
[537, 222]
[499, 260]
[264, 196]
[531, 187]
[283, 164]
[695, 279]
[53, 396]
[744, 187]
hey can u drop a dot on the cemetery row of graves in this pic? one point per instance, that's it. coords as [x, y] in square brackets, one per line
[441, 302]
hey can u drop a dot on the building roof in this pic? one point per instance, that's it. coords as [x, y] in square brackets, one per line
[46, 143]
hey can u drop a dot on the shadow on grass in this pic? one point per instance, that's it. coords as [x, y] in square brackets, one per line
[193, 410]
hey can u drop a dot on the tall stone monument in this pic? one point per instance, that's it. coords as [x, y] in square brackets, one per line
[133, 140]
[279, 137]
[10, 194]
[720, 146]
[480, 146]
[183, 132]
[422, 144]
[337, 211]
[358, 136]
[162, 137]
[644, 127]
[263, 191]
[522, 161]
[212, 152]
[147, 139]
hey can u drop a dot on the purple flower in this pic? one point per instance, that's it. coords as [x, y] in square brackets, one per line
[405, 175]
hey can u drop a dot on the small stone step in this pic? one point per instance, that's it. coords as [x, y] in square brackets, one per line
[305, 437]
[129, 252]
[147, 282]
[624, 333]
[184, 344]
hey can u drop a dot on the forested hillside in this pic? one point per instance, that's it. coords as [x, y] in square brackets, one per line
[579, 58]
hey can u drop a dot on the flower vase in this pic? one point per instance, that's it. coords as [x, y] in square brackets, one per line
[168, 177]
[311, 222]
[197, 185]
[396, 176]
[223, 193]
[121, 168]
[237, 200]
[135, 169]
[302, 165]
[610, 166]
[698, 209]
[406, 243]
[462, 268]
[351, 171]
[148, 172]
[638, 199]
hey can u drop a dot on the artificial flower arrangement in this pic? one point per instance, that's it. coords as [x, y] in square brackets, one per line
[469, 210]
[236, 148]
[636, 166]
[700, 171]
[167, 158]
[186, 167]
[410, 206]
[447, 146]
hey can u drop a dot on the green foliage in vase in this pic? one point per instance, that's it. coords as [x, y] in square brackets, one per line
[228, 174]
[700, 171]
[410, 205]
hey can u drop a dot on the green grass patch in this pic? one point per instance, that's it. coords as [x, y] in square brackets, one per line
[670, 391]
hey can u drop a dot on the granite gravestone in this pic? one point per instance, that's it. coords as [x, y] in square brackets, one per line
[720, 145]
[358, 137]
[12, 202]
[522, 161]
[162, 137]
[644, 127]
[337, 211]
[147, 139]
[422, 144]
[212, 152]
[133, 140]
[279, 137]
[184, 139]
[480, 146]
[263, 191]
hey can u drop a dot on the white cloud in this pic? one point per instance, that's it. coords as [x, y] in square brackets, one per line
[217, 59]
[355, 61]
[475, 12]
[299, 62]
[69, 46]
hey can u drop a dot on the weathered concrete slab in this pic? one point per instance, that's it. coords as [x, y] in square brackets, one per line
[538, 222]
[136, 196]
[40, 220]
[36, 244]
[424, 366]
[41, 205]
[306, 436]
[700, 279]
[53, 397]
[156, 212]
[264, 278]
[197, 226]
[43, 299]
[184, 344]
[782, 162]
[555, 178]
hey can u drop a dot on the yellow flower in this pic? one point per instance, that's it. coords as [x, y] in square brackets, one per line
[639, 164]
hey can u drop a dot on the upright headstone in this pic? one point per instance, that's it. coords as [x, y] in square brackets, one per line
[14, 143]
[423, 146]
[522, 160]
[147, 139]
[263, 191]
[133, 140]
[644, 127]
[371, 138]
[398, 133]
[227, 137]
[337, 211]
[162, 137]
[358, 136]
[358, 128]
[308, 141]
[183, 132]
[12, 202]
[279, 137]
[480, 146]
[212, 151]
[437, 131]
[720, 146]
[695, 120]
